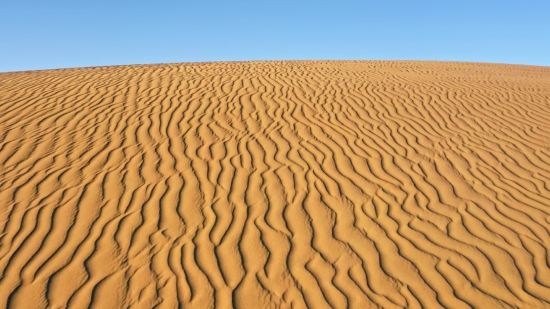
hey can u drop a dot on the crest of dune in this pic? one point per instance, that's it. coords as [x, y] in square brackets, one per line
[278, 184]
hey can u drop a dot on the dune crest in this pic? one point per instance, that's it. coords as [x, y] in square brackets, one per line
[279, 184]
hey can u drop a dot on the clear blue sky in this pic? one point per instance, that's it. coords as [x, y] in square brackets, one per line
[58, 34]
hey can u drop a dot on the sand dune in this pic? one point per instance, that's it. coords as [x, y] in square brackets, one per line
[294, 184]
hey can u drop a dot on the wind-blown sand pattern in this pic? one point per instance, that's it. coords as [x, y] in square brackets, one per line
[295, 184]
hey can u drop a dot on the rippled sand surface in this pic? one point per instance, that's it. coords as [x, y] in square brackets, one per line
[294, 184]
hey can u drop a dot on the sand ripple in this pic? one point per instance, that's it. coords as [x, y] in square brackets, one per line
[347, 184]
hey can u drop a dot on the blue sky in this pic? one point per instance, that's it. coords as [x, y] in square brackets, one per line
[59, 34]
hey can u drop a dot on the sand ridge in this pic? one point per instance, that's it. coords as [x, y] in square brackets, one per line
[279, 184]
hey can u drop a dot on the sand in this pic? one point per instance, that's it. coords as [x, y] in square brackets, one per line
[293, 184]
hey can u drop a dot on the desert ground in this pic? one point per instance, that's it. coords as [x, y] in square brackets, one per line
[276, 184]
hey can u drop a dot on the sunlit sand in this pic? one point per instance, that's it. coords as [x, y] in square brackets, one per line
[293, 184]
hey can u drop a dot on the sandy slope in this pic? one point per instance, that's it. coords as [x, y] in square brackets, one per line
[276, 185]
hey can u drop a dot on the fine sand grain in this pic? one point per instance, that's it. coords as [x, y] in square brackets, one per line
[293, 184]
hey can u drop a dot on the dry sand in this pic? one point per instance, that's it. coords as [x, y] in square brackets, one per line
[306, 184]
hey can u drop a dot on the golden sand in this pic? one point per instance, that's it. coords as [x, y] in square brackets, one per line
[293, 184]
